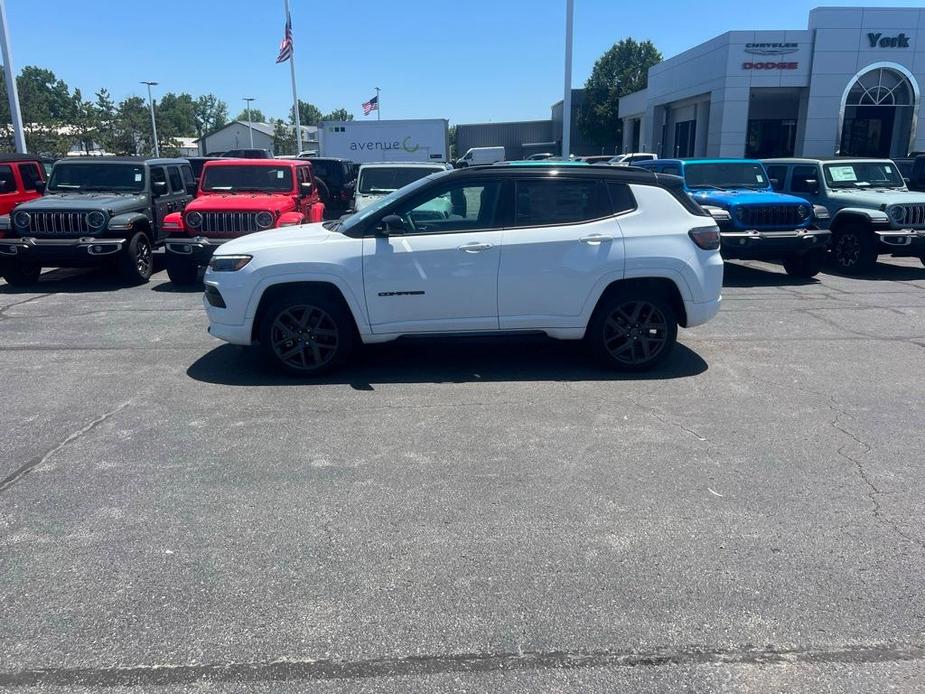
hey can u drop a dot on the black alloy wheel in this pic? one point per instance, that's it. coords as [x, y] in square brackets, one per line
[853, 249]
[634, 332]
[306, 335]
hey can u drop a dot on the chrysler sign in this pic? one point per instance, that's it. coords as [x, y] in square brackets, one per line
[771, 48]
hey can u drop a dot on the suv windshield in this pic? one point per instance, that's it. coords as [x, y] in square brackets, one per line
[726, 175]
[253, 179]
[386, 179]
[387, 200]
[119, 178]
[867, 174]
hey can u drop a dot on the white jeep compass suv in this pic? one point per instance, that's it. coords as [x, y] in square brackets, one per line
[617, 256]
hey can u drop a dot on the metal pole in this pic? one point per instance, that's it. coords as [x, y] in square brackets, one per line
[157, 149]
[378, 105]
[295, 98]
[250, 129]
[12, 91]
[567, 99]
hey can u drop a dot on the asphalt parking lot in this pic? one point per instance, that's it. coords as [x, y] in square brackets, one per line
[477, 516]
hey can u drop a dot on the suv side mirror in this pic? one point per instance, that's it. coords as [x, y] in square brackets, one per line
[40, 187]
[390, 224]
[306, 187]
[159, 187]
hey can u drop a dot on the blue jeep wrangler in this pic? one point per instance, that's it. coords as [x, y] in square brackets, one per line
[755, 222]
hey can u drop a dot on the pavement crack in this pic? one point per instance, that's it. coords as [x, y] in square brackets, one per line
[305, 669]
[25, 469]
[4, 316]
[658, 415]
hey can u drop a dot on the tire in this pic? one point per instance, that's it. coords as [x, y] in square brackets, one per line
[136, 260]
[306, 333]
[182, 270]
[854, 249]
[20, 274]
[806, 264]
[633, 330]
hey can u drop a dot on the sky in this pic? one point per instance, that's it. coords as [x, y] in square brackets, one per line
[470, 61]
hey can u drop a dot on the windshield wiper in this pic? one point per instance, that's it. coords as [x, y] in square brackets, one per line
[220, 188]
[69, 186]
[706, 186]
[381, 190]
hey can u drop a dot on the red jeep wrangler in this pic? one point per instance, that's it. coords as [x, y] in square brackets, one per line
[22, 178]
[238, 197]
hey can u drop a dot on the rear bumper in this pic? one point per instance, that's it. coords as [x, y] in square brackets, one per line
[63, 252]
[754, 245]
[700, 313]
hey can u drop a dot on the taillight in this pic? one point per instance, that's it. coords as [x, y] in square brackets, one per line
[706, 238]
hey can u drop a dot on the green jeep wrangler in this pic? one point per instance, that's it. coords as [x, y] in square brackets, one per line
[871, 211]
[96, 211]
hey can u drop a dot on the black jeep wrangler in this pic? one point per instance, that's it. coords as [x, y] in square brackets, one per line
[97, 210]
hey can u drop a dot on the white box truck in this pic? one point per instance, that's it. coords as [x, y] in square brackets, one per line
[385, 140]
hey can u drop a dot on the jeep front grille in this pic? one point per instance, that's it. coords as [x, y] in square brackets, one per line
[58, 223]
[913, 216]
[771, 216]
[228, 223]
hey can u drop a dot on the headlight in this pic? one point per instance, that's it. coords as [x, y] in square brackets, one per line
[96, 220]
[228, 263]
[193, 220]
[897, 214]
[803, 212]
[264, 220]
[21, 219]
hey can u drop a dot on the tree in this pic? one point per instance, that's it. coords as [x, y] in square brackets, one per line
[283, 138]
[84, 127]
[176, 116]
[132, 134]
[106, 112]
[453, 146]
[211, 113]
[620, 71]
[337, 114]
[256, 116]
[309, 114]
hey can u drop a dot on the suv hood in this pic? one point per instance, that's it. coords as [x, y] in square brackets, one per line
[875, 198]
[117, 202]
[731, 198]
[307, 234]
[280, 202]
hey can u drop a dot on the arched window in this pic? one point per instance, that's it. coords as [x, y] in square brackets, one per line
[880, 87]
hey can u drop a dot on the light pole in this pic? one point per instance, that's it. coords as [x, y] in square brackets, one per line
[157, 149]
[12, 91]
[567, 97]
[248, 100]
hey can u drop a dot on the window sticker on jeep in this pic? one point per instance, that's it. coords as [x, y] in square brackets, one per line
[841, 174]
[760, 178]
[138, 177]
[280, 173]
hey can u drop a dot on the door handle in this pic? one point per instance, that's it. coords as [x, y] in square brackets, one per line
[475, 247]
[595, 239]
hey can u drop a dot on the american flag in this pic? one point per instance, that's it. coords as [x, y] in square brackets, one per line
[371, 105]
[285, 48]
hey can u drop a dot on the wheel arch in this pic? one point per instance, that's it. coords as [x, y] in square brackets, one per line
[662, 286]
[864, 217]
[326, 288]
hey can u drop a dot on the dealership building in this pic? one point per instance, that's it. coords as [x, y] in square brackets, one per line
[849, 85]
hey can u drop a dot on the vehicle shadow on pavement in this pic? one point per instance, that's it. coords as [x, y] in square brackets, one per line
[884, 271]
[735, 275]
[78, 280]
[468, 360]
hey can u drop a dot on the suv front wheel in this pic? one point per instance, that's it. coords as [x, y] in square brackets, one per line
[854, 249]
[136, 261]
[306, 334]
[806, 264]
[20, 274]
[181, 270]
[633, 331]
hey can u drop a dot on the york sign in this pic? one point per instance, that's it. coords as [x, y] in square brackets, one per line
[901, 41]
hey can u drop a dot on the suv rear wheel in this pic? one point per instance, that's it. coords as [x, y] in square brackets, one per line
[854, 249]
[181, 270]
[633, 331]
[306, 334]
[137, 260]
[20, 274]
[806, 264]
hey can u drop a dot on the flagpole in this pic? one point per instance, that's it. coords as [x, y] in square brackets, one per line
[11, 88]
[378, 105]
[295, 97]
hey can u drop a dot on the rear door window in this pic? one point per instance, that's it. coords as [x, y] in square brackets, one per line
[176, 182]
[621, 198]
[555, 201]
[7, 182]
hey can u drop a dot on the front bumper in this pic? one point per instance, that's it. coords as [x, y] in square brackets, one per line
[901, 242]
[198, 248]
[62, 252]
[752, 244]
